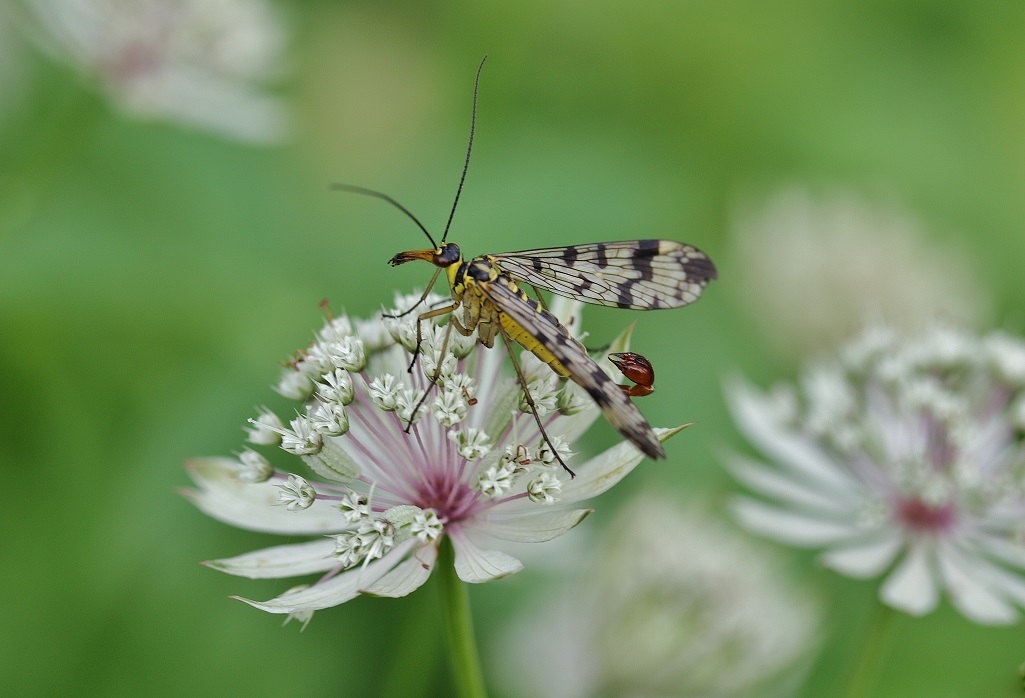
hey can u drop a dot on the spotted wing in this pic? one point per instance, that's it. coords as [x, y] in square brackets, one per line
[543, 326]
[640, 274]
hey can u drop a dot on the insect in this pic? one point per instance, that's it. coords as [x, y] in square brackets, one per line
[638, 274]
[638, 369]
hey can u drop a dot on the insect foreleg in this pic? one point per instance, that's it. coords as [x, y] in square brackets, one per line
[419, 330]
[423, 297]
[459, 327]
[437, 371]
[530, 401]
[540, 298]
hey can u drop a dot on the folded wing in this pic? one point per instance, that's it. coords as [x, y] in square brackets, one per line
[639, 274]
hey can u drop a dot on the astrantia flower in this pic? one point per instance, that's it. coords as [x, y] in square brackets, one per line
[814, 269]
[472, 467]
[195, 62]
[671, 603]
[902, 457]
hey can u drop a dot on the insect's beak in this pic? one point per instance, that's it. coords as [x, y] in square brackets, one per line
[411, 256]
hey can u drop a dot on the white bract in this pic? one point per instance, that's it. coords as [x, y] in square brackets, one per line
[670, 603]
[902, 457]
[195, 62]
[473, 467]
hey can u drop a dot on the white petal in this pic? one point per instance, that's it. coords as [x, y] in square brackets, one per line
[912, 586]
[408, 576]
[224, 497]
[1008, 583]
[537, 526]
[787, 526]
[569, 311]
[1000, 548]
[865, 558]
[281, 561]
[505, 400]
[501, 391]
[966, 583]
[570, 427]
[200, 98]
[754, 416]
[337, 590]
[786, 487]
[476, 565]
[606, 469]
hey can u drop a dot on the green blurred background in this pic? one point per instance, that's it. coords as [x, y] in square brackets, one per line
[151, 276]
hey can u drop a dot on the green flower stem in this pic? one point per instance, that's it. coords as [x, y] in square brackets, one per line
[455, 606]
[862, 680]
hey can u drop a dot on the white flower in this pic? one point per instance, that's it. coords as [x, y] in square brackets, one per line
[671, 603]
[426, 526]
[549, 454]
[329, 420]
[15, 72]
[903, 458]
[195, 62]
[253, 467]
[545, 488]
[336, 386]
[545, 392]
[450, 407]
[383, 498]
[813, 270]
[354, 507]
[496, 480]
[265, 430]
[473, 442]
[302, 439]
[296, 494]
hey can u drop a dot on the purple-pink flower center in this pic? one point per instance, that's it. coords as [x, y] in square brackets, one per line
[451, 499]
[927, 518]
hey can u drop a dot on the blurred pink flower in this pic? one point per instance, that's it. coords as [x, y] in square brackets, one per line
[815, 269]
[670, 602]
[197, 63]
[901, 458]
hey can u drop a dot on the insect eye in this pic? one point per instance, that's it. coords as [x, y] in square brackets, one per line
[447, 254]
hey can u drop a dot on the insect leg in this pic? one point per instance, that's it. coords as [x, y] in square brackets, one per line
[530, 401]
[540, 298]
[419, 335]
[423, 297]
[437, 372]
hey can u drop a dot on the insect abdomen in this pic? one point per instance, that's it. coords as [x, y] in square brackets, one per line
[531, 344]
[528, 341]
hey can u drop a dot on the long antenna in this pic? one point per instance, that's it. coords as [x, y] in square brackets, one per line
[352, 188]
[466, 165]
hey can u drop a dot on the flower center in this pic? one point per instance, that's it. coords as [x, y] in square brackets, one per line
[452, 501]
[927, 518]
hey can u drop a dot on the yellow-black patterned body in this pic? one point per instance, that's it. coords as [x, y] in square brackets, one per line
[639, 274]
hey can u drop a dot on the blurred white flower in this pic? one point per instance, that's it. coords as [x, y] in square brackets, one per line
[198, 63]
[815, 270]
[672, 603]
[473, 466]
[14, 71]
[902, 458]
